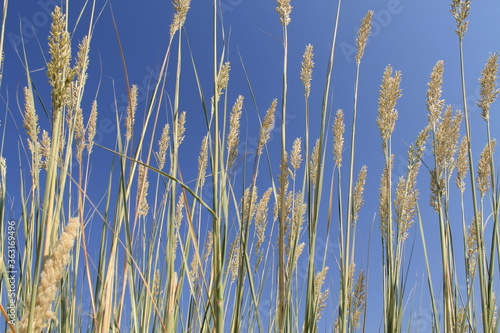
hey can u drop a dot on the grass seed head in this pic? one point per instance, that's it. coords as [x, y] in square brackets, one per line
[488, 82]
[307, 67]
[363, 34]
[284, 9]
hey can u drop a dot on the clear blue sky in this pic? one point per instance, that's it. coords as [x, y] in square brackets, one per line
[411, 35]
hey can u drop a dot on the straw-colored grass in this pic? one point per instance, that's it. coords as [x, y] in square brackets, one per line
[246, 257]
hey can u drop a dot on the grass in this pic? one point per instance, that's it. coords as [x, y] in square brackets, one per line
[161, 268]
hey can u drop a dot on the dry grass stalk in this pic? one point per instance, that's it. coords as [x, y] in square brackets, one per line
[460, 11]
[484, 167]
[363, 34]
[434, 102]
[306, 70]
[233, 138]
[389, 94]
[488, 84]
[266, 127]
[163, 144]
[92, 127]
[181, 9]
[52, 272]
[131, 109]
[284, 9]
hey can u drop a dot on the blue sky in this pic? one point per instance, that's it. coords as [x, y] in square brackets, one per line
[411, 35]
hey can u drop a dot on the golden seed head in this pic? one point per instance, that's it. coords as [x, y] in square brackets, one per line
[30, 122]
[446, 139]
[222, 80]
[363, 34]
[266, 127]
[233, 260]
[163, 144]
[142, 191]
[295, 156]
[131, 109]
[384, 203]
[389, 94]
[79, 134]
[358, 194]
[484, 167]
[208, 245]
[181, 9]
[284, 9]
[359, 299]
[472, 247]
[462, 163]
[92, 127]
[52, 272]
[261, 222]
[488, 82]
[82, 63]
[314, 163]
[434, 102]
[181, 129]
[320, 297]
[45, 147]
[58, 69]
[460, 11]
[203, 161]
[306, 71]
[338, 137]
[233, 138]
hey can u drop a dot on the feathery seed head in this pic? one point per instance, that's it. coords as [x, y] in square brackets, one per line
[181, 9]
[472, 247]
[358, 194]
[131, 109]
[363, 34]
[488, 82]
[142, 191]
[434, 102]
[163, 144]
[284, 9]
[460, 11]
[484, 167]
[384, 203]
[314, 163]
[261, 222]
[222, 80]
[306, 71]
[266, 127]
[295, 156]
[462, 163]
[233, 138]
[203, 161]
[338, 137]
[389, 94]
[58, 69]
[52, 272]
[30, 122]
[181, 122]
[92, 127]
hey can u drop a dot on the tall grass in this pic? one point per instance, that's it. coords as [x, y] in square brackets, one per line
[161, 268]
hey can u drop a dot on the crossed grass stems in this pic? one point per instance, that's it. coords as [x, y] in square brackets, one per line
[174, 273]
